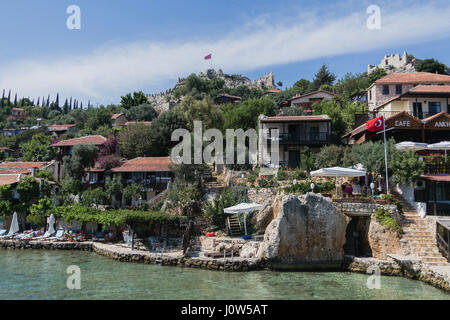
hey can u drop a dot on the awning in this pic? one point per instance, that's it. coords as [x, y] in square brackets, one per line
[408, 145]
[243, 207]
[338, 172]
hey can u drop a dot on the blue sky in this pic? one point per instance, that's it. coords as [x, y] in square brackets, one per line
[145, 45]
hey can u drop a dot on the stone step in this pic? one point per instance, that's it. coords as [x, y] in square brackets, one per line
[417, 233]
[433, 259]
[430, 254]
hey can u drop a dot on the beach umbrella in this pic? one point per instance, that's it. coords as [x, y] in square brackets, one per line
[408, 145]
[14, 228]
[243, 208]
[51, 224]
[443, 145]
[338, 172]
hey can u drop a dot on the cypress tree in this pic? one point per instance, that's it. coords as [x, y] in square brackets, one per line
[57, 100]
[15, 100]
[9, 98]
[37, 104]
[70, 106]
[48, 101]
[3, 97]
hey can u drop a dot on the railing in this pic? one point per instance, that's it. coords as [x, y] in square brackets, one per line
[387, 114]
[443, 239]
[437, 168]
[438, 209]
[312, 137]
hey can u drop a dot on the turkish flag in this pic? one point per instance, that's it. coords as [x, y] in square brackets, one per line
[208, 57]
[375, 125]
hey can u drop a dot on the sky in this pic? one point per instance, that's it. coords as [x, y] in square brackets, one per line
[125, 46]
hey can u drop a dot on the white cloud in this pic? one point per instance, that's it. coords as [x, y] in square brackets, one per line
[110, 71]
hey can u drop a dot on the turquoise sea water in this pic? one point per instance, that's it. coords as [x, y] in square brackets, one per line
[42, 275]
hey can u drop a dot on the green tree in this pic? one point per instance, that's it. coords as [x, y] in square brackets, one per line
[136, 141]
[94, 197]
[371, 156]
[293, 111]
[334, 156]
[245, 115]
[407, 167]
[322, 77]
[83, 156]
[432, 66]
[200, 110]
[113, 187]
[132, 100]
[38, 149]
[143, 112]
[302, 86]
[132, 191]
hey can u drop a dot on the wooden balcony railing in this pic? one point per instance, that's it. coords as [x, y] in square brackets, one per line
[443, 168]
[443, 239]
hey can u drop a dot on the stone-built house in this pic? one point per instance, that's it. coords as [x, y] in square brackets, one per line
[395, 86]
[65, 148]
[153, 174]
[297, 135]
[18, 113]
[226, 98]
[118, 120]
[58, 130]
[307, 100]
[29, 168]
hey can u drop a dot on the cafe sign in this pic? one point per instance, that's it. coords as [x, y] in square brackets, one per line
[441, 122]
[403, 120]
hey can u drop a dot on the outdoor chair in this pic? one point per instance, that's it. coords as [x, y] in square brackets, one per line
[58, 236]
[46, 235]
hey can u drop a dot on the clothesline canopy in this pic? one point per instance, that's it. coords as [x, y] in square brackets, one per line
[408, 145]
[243, 208]
[338, 172]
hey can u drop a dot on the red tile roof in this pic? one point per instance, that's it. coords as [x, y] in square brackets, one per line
[311, 93]
[145, 165]
[14, 171]
[116, 115]
[273, 91]
[7, 179]
[322, 117]
[414, 77]
[430, 89]
[22, 165]
[95, 140]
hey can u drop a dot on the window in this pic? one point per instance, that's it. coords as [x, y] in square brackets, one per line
[434, 107]
[398, 89]
[370, 95]
[386, 90]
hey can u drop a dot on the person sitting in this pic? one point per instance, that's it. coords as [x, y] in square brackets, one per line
[348, 190]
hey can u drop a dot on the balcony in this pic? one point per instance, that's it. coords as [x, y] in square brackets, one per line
[302, 138]
[388, 114]
[442, 168]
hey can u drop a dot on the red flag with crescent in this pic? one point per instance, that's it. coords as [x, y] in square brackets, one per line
[208, 57]
[375, 125]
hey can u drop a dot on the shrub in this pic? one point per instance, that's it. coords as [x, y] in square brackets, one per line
[252, 178]
[386, 220]
[267, 182]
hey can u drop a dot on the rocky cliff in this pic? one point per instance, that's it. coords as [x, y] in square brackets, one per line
[309, 232]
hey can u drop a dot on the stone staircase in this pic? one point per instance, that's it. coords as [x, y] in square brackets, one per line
[417, 240]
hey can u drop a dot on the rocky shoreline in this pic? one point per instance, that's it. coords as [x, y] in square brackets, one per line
[407, 268]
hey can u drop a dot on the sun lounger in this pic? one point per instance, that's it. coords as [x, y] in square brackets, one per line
[3, 232]
[58, 236]
[9, 235]
[46, 235]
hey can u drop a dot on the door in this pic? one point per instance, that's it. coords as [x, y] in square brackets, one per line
[314, 133]
[417, 110]
[294, 159]
[294, 132]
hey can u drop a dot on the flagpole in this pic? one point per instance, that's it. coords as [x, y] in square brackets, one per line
[385, 156]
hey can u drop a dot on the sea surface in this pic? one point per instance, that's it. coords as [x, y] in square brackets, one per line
[43, 275]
